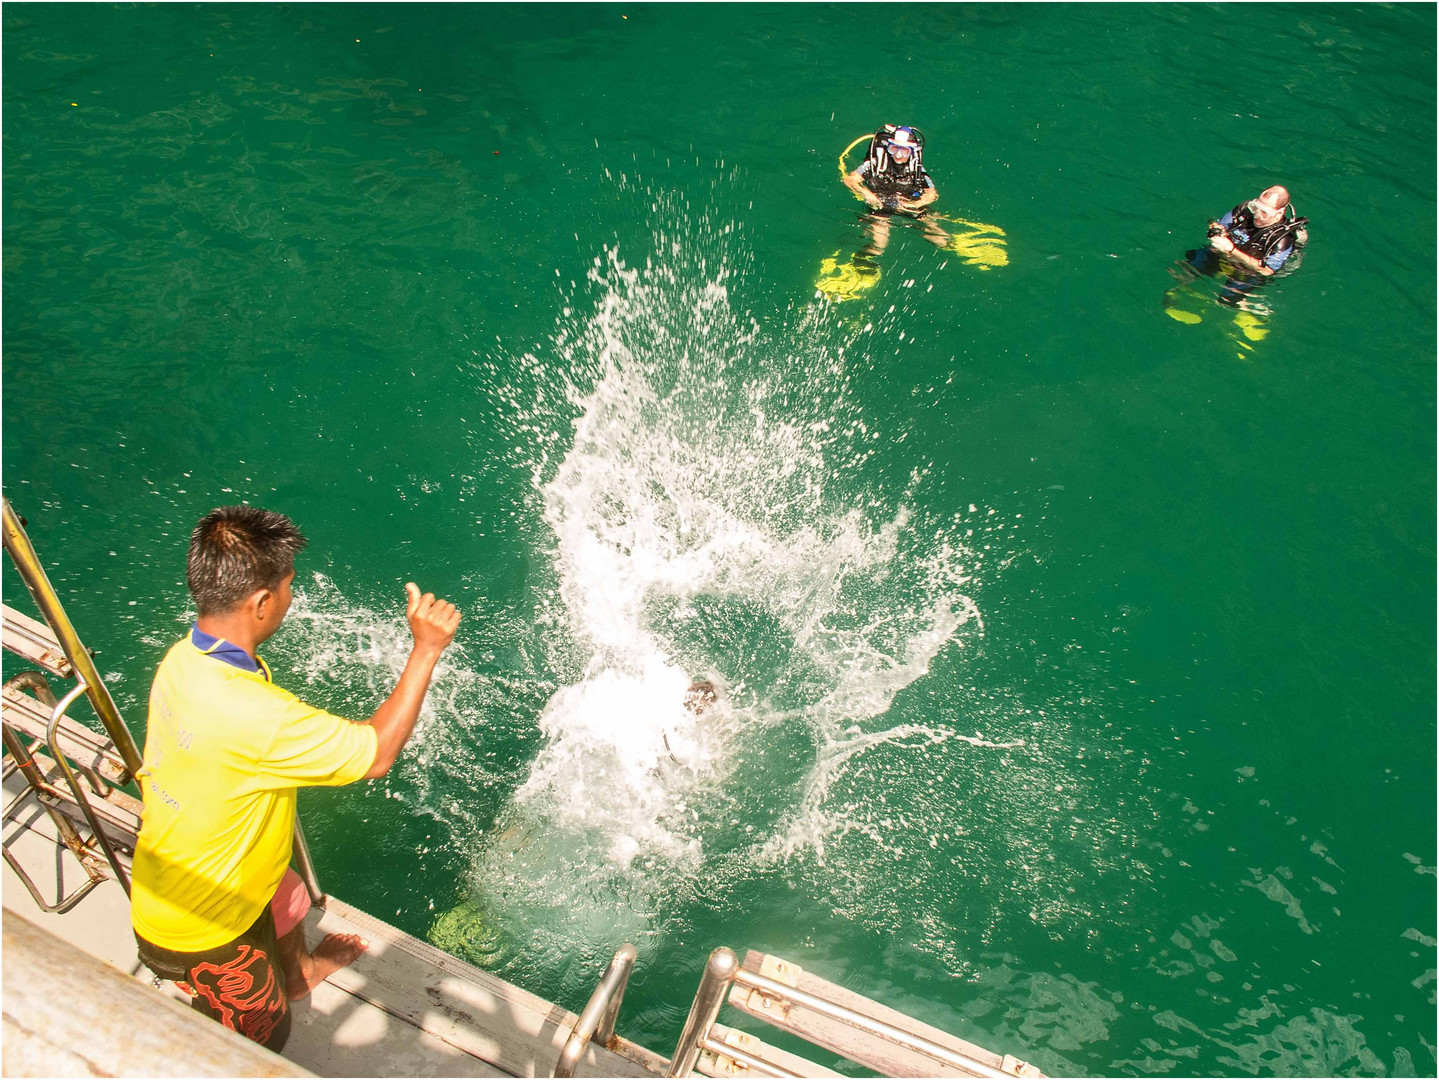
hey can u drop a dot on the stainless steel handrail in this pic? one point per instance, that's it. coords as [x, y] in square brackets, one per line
[723, 971]
[920, 1045]
[69, 835]
[35, 683]
[719, 970]
[306, 866]
[22, 554]
[597, 1021]
[52, 739]
[749, 1061]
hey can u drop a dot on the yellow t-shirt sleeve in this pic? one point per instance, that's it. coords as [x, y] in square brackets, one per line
[314, 747]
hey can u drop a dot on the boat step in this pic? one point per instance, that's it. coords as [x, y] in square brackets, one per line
[470, 1009]
[34, 641]
[718, 1065]
[84, 747]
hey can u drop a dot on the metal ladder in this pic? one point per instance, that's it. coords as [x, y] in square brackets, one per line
[31, 712]
[27, 714]
[785, 995]
[55, 646]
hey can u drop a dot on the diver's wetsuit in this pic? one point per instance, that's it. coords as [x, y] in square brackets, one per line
[894, 183]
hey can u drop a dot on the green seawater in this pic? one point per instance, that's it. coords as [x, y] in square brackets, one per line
[1078, 663]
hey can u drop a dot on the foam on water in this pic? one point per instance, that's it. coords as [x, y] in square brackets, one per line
[703, 500]
[708, 516]
[354, 652]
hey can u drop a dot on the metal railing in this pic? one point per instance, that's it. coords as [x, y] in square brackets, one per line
[723, 971]
[37, 785]
[719, 972]
[597, 1021]
[22, 554]
[306, 865]
[751, 1063]
[52, 740]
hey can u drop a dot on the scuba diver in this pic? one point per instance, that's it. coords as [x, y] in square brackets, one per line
[699, 696]
[1248, 245]
[1257, 234]
[892, 180]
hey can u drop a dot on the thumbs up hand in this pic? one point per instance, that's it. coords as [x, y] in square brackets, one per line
[433, 622]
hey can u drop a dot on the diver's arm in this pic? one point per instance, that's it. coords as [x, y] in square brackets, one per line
[1225, 247]
[1257, 265]
[1223, 243]
[855, 182]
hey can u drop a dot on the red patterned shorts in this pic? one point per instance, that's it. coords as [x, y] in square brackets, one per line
[241, 983]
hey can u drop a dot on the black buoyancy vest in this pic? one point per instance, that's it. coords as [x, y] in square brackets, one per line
[1261, 243]
[894, 180]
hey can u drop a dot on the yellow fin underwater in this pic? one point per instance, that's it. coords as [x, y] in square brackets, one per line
[844, 281]
[979, 245]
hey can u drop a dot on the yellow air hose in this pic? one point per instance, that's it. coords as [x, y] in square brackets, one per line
[843, 168]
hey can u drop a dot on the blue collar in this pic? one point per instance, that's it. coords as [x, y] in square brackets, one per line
[230, 654]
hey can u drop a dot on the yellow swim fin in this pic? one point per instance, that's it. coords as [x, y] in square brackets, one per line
[844, 281]
[1171, 298]
[979, 244]
[1251, 326]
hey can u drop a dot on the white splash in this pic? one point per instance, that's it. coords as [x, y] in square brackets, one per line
[710, 518]
[352, 654]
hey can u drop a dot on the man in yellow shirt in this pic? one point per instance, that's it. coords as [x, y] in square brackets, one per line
[213, 903]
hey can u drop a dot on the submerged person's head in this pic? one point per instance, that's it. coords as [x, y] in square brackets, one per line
[238, 553]
[1269, 207]
[700, 696]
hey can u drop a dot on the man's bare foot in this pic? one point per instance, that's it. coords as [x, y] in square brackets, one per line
[332, 954]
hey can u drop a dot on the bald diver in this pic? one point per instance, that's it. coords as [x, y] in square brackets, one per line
[1246, 247]
[1258, 235]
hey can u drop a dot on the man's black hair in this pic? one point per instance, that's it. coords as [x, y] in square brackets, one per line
[235, 550]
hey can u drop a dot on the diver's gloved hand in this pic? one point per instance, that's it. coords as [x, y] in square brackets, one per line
[871, 199]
